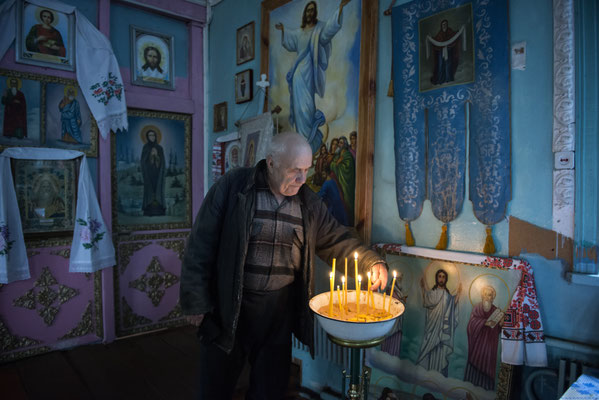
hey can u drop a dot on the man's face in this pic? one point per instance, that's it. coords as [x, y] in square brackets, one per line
[352, 140]
[310, 13]
[13, 83]
[342, 143]
[488, 295]
[334, 145]
[444, 26]
[46, 17]
[289, 175]
[152, 58]
[441, 279]
[151, 136]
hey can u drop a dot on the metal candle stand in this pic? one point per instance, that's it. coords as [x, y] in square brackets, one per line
[358, 380]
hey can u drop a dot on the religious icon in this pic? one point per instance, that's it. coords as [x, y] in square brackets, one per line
[245, 43]
[45, 36]
[220, 117]
[69, 123]
[446, 48]
[47, 194]
[243, 86]
[320, 37]
[152, 164]
[152, 59]
[232, 156]
[20, 114]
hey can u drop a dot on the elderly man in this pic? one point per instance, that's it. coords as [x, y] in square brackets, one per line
[248, 269]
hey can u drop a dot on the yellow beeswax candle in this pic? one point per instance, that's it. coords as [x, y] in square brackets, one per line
[358, 289]
[368, 290]
[344, 291]
[356, 265]
[345, 288]
[339, 300]
[392, 288]
[331, 295]
[334, 269]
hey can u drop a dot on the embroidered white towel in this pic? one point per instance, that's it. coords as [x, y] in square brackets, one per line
[96, 66]
[14, 265]
[92, 248]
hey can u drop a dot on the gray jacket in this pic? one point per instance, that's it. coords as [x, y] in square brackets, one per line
[212, 270]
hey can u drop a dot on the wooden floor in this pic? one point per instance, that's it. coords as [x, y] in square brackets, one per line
[158, 366]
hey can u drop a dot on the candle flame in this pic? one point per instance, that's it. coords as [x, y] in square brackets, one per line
[368, 274]
[331, 275]
[356, 255]
[359, 278]
[343, 279]
[395, 274]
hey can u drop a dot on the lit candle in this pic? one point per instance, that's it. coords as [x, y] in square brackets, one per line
[368, 290]
[392, 288]
[334, 269]
[358, 288]
[345, 287]
[356, 264]
[331, 296]
[339, 300]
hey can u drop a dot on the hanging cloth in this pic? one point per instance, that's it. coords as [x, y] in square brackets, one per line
[490, 147]
[446, 159]
[91, 249]
[96, 66]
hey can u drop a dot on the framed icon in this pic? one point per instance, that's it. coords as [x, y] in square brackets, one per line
[152, 59]
[243, 86]
[245, 43]
[45, 37]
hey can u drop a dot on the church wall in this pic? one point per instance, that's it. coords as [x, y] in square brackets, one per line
[114, 302]
[531, 122]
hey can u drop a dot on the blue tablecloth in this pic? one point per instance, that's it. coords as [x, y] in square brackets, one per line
[586, 387]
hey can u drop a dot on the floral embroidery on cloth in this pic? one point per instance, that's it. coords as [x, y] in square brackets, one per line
[90, 234]
[109, 88]
[5, 243]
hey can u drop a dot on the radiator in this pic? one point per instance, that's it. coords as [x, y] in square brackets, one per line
[567, 374]
[324, 348]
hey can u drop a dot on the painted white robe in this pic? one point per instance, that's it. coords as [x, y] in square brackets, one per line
[439, 328]
[307, 75]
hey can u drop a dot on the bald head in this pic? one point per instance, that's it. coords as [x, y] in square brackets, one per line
[287, 145]
[288, 161]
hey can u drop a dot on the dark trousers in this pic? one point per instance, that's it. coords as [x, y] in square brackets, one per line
[263, 337]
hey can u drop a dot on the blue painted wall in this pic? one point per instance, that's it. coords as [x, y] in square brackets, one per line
[122, 16]
[531, 21]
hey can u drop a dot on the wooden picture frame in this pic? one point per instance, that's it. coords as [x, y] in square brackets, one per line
[49, 112]
[244, 84]
[255, 134]
[45, 37]
[366, 96]
[68, 121]
[233, 155]
[21, 118]
[152, 185]
[473, 273]
[244, 48]
[152, 58]
[220, 117]
[47, 195]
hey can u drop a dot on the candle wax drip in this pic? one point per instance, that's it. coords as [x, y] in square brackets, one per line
[349, 314]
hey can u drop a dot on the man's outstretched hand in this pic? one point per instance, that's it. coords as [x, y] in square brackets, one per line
[378, 276]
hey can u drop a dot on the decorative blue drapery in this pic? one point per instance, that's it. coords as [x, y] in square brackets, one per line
[451, 87]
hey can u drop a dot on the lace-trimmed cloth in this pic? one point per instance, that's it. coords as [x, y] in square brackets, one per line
[91, 249]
